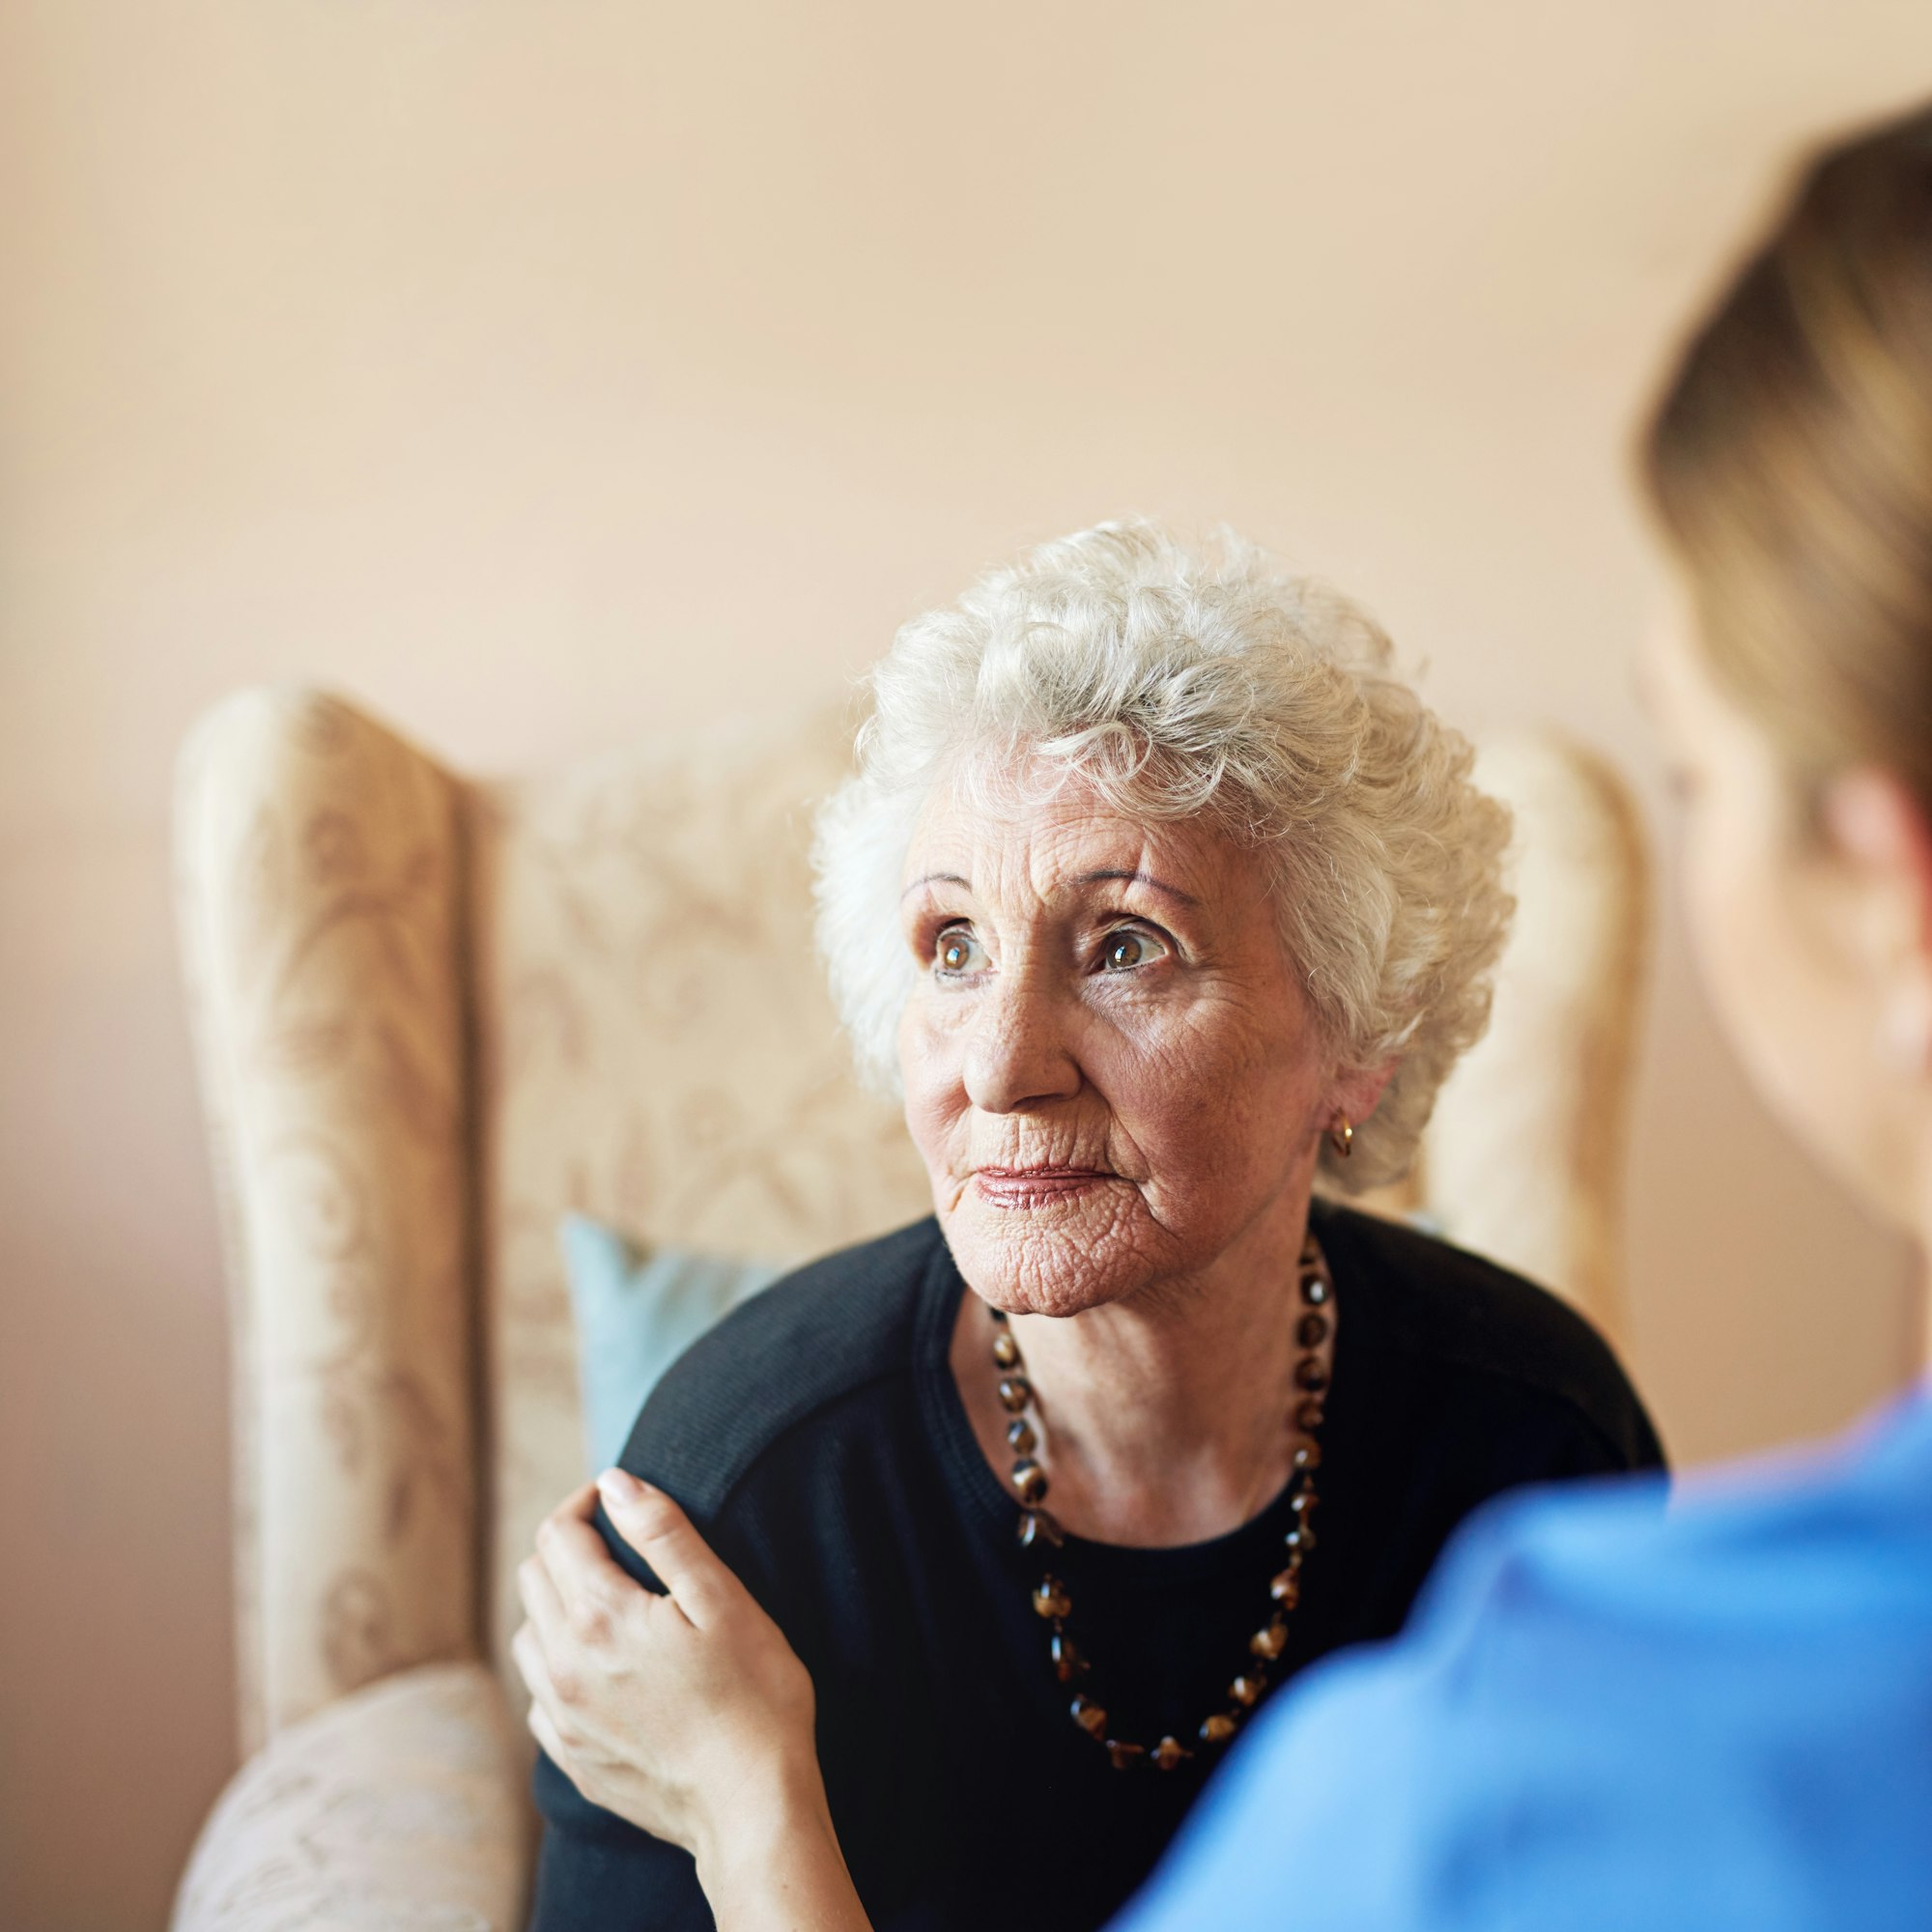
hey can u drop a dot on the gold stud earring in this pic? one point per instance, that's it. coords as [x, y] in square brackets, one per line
[1342, 1136]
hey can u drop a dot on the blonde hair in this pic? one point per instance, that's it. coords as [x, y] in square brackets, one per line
[1790, 460]
[1179, 681]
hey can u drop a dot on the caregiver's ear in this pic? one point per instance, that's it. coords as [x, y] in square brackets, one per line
[1881, 837]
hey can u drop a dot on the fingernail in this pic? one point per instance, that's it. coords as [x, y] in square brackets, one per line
[620, 1486]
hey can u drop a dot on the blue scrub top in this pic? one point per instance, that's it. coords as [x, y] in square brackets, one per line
[1605, 1716]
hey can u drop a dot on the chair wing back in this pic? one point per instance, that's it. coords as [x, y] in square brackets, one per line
[320, 885]
[1523, 1159]
[658, 1048]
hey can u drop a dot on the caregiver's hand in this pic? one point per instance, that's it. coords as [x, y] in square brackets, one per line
[688, 1715]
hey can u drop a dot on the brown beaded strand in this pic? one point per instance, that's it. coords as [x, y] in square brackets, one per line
[1039, 1529]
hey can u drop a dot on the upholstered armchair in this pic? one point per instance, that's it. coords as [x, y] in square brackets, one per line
[433, 1013]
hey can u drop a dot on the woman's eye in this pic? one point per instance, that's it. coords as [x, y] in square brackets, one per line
[1126, 950]
[957, 952]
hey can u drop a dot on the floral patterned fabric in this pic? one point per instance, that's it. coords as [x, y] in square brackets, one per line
[1524, 1157]
[431, 1018]
[397, 1810]
[658, 1050]
[321, 906]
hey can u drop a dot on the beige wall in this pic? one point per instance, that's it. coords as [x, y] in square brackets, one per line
[541, 374]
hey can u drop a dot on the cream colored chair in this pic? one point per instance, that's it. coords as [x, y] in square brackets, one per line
[432, 1015]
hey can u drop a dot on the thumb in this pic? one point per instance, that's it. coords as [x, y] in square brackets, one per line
[700, 1584]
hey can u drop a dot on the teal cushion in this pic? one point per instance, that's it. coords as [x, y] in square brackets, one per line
[637, 1313]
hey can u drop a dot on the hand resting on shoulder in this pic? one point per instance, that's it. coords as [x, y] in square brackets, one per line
[687, 1715]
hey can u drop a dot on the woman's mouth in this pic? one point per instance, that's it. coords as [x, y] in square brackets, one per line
[1036, 1186]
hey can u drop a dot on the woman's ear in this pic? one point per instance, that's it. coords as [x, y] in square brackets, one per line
[1882, 837]
[1359, 1090]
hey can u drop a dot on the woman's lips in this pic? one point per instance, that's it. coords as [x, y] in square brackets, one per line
[1034, 1186]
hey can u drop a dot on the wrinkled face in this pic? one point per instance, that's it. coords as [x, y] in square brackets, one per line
[1781, 928]
[1110, 1066]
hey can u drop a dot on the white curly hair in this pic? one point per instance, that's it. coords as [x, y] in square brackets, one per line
[1182, 679]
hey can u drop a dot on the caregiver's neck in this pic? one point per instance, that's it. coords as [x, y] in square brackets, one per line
[1921, 1232]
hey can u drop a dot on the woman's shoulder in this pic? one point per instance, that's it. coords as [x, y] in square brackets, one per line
[816, 1338]
[1417, 1296]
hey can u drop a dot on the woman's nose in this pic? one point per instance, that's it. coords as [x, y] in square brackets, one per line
[1019, 1049]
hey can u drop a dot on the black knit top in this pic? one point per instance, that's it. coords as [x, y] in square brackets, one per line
[818, 1439]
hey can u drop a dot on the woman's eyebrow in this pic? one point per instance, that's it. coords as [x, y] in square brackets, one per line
[931, 878]
[1146, 879]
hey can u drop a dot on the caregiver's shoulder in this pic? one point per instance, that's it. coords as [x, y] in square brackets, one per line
[819, 1338]
[1710, 1717]
[1424, 1297]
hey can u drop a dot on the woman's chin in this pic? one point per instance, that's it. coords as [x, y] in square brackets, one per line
[1059, 1255]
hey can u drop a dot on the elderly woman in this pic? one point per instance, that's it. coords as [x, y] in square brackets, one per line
[1159, 895]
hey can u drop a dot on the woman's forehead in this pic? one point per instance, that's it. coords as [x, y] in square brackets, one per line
[1074, 841]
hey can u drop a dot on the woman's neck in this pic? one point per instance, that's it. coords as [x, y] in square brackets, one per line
[1163, 1418]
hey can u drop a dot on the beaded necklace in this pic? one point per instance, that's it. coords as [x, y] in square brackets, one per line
[1040, 1530]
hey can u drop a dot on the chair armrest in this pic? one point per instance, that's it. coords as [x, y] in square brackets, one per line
[400, 1806]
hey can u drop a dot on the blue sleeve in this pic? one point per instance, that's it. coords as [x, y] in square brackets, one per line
[1395, 1787]
[1598, 1720]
